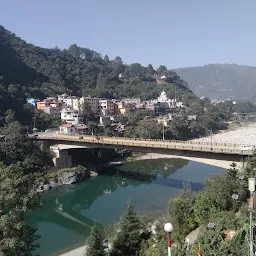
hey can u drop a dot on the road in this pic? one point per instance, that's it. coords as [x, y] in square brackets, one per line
[206, 146]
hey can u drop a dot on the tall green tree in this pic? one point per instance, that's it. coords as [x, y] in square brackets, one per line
[130, 232]
[95, 243]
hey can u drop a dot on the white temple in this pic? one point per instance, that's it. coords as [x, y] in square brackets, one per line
[164, 102]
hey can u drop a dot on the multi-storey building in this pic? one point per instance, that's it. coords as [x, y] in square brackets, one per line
[106, 107]
[71, 116]
[67, 100]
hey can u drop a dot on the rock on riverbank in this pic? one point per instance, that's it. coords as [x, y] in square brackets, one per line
[65, 176]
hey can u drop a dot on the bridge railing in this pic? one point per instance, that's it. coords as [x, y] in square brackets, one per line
[166, 144]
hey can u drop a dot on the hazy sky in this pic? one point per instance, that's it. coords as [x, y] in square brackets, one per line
[176, 33]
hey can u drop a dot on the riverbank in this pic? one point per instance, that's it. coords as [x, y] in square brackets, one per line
[76, 252]
[245, 134]
[218, 163]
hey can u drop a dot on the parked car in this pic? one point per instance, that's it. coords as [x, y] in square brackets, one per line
[246, 147]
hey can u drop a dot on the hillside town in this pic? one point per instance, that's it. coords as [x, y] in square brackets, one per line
[70, 109]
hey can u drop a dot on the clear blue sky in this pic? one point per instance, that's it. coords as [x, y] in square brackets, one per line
[176, 33]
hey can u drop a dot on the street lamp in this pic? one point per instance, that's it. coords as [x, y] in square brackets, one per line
[251, 187]
[168, 227]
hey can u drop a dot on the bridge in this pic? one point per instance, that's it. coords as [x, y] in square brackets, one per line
[60, 143]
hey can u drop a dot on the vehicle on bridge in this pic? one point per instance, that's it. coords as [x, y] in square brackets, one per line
[246, 147]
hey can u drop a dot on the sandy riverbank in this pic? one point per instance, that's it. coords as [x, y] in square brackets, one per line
[219, 163]
[76, 252]
[239, 135]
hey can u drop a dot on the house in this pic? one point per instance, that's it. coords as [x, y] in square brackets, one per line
[81, 129]
[71, 116]
[46, 103]
[68, 129]
[120, 107]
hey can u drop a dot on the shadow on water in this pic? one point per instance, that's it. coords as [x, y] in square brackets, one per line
[146, 170]
[175, 183]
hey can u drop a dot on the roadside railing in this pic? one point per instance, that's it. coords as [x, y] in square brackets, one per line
[225, 148]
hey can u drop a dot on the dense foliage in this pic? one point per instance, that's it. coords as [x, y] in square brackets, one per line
[21, 163]
[44, 72]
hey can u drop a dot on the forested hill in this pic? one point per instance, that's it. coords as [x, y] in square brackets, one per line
[221, 81]
[43, 72]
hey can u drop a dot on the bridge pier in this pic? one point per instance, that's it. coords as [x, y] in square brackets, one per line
[61, 158]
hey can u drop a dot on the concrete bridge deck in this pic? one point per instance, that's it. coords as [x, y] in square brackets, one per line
[74, 141]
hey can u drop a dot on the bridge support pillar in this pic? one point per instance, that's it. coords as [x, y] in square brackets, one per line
[61, 158]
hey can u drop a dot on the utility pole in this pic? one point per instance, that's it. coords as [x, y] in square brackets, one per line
[211, 137]
[163, 132]
[251, 186]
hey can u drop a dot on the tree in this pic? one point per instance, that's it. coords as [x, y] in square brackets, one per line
[18, 184]
[181, 215]
[101, 80]
[106, 58]
[118, 60]
[95, 243]
[92, 127]
[18, 195]
[86, 112]
[150, 70]
[130, 232]
[161, 69]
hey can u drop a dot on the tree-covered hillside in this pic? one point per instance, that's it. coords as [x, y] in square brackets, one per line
[43, 72]
[221, 81]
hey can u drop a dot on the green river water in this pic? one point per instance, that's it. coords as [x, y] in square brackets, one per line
[69, 211]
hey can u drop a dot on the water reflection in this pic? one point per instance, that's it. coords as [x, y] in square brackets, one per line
[70, 211]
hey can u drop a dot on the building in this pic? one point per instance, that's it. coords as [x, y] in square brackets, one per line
[131, 101]
[164, 102]
[99, 107]
[67, 100]
[32, 101]
[68, 129]
[71, 129]
[164, 120]
[53, 111]
[93, 102]
[106, 107]
[46, 103]
[71, 116]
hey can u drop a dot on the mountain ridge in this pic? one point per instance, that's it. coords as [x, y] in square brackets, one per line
[221, 81]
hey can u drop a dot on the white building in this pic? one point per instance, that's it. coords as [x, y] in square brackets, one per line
[67, 100]
[131, 100]
[68, 129]
[164, 102]
[71, 116]
[100, 107]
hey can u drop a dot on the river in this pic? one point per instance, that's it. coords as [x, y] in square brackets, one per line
[69, 211]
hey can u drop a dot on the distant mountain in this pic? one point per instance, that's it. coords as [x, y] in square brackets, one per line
[221, 81]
